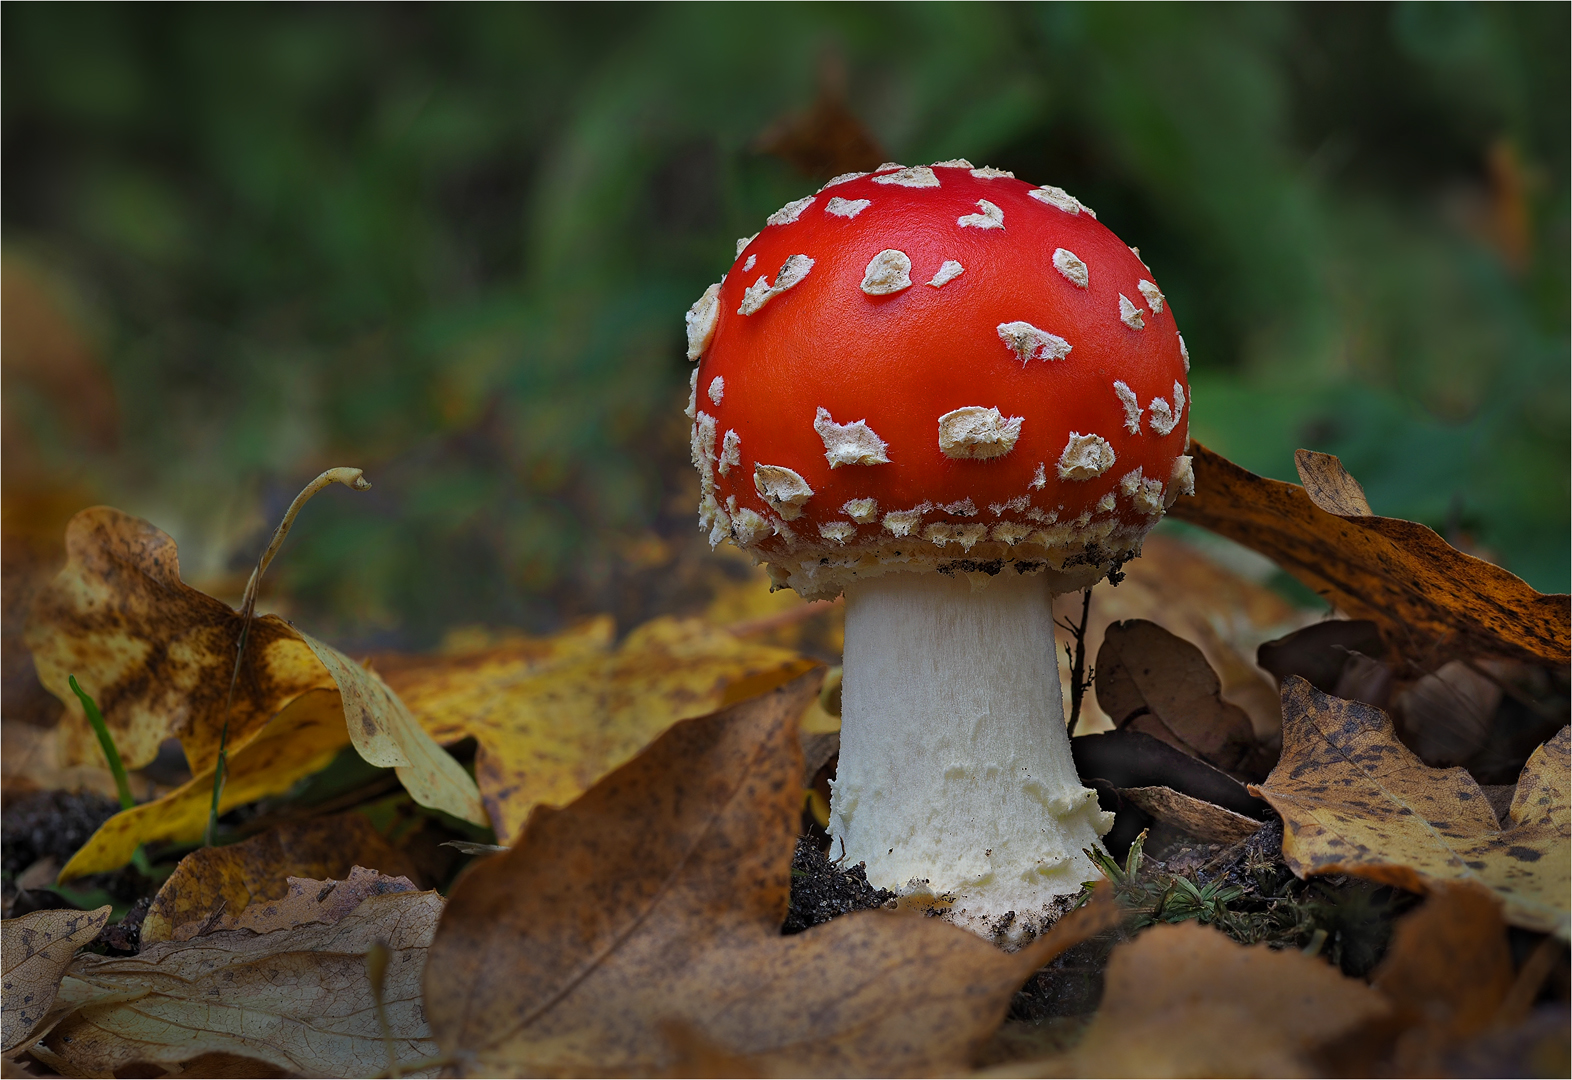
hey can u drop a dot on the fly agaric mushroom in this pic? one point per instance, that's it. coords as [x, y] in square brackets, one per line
[952, 396]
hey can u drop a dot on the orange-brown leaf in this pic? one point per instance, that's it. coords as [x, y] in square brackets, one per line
[637, 931]
[1431, 601]
[1354, 800]
[37, 948]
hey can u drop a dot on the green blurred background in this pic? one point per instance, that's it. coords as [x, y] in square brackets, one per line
[453, 245]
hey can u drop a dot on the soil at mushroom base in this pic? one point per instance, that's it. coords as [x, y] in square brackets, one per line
[949, 395]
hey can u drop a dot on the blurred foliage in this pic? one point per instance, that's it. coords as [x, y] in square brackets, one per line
[453, 244]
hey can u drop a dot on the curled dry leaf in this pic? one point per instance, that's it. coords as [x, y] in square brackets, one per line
[1131, 759]
[1354, 800]
[37, 948]
[298, 999]
[311, 900]
[550, 726]
[1199, 818]
[637, 931]
[213, 888]
[302, 739]
[1184, 1000]
[1151, 681]
[1430, 600]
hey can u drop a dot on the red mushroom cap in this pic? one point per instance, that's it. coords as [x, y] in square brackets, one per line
[936, 368]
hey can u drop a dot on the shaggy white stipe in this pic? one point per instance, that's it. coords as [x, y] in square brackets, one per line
[843, 178]
[918, 176]
[1070, 265]
[1061, 199]
[700, 321]
[849, 444]
[948, 271]
[731, 452]
[1085, 457]
[1129, 314]
[888, 272]
[1154, 295]
[717, 389]
[693, 395]
[953, 163]
[955, 767]
[973, 432]
[990, 217]
[790, 212]
[988, 172]
[743, 242]
[862, 511]
[1029, 343]
[1181, 480]
[1132, 407]
[961, 508]
[839, 531]
[784, 489]
[761, 292]
[1184, 353]
[847, 208]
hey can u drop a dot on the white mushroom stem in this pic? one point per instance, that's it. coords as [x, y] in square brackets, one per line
[955, 775]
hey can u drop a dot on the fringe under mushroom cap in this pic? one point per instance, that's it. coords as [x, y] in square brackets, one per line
[936, 368]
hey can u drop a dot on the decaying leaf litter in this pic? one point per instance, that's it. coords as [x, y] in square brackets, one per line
[1324, 941]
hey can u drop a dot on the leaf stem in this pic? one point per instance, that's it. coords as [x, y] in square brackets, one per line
[350, 478]
[1078, 680]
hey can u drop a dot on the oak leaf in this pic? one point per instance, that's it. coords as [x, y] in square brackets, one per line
[213, 888]
[549, 725]
[297, 998]
[1355, 800]
[638, 931]
[1185, 1000]
[37, 948]
[1431, 601]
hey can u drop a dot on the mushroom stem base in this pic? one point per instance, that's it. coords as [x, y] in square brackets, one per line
[955, 776]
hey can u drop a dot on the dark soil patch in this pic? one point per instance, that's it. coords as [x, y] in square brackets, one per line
[821, 890]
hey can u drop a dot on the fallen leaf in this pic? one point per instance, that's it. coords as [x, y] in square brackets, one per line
[549, 730]
[1430, 600]
[1321, 652]
[1354, 800]
[158, 656]
[37, 950]
[298, 999]
[1201, 819]
[1185, 590]
[1131, 759]
[1151, 681]
[311, 900]
[638, 931]
[1446, 716]
[302, 739]
[213, 888]
[30, 760]
[1185, 1000]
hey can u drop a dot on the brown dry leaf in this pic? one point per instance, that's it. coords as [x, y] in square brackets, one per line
[547, 731]
[1199, 818]
[300, 740]
[637, 931]
[1354, 800]
[1185, 1000]
[1151, 681]
[37, 950]
[30, 760]
[1181, 588]
[298, 999]
[158, 657]
[1430, 600]
[313, 900]
[213, 888]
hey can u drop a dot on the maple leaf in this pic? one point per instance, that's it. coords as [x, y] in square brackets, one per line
[37, 948]
[1354, 800]
[298, 999]
[1430, 600]
[552, 719]
[638, 931]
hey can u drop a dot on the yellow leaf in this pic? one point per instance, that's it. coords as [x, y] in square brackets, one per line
[300, 740]
[385, 734]
[548, 726]
[296, 998]
[1354, 800]
[37, 948]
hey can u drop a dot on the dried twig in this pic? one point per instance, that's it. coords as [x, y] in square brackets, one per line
[1080, 675]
